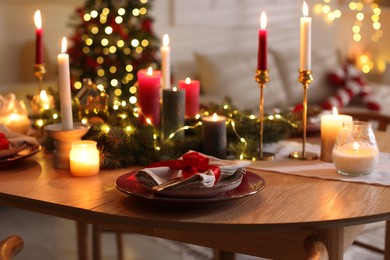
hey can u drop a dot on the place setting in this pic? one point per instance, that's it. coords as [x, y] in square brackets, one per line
[193, 179]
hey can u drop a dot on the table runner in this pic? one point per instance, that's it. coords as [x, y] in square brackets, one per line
[317, 168]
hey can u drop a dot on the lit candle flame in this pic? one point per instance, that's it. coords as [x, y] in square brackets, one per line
[355, 146]
[174, 88]
[215, 117]
[150, 71]
[64, 45]
[43, 95]
[263, 20]
[165, 40]
[188, 80]
[38, 19]
[305, 9]
[335, 112]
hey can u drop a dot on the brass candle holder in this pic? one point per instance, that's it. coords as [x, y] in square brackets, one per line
[262, 78]
[305, 77]
[39, 71]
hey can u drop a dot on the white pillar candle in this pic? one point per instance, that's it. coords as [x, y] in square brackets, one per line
[84, 158]
[330, 128]
[64, 87]
[355, 159]
[305, 41]
[166, 63]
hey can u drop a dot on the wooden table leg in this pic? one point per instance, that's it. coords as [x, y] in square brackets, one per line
[387, 241]
[82, 240]
[333, 240]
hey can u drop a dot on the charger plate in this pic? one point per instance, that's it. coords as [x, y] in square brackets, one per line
[18, 154]
[250, 184]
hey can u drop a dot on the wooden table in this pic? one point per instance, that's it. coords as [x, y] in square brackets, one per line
[271, 223]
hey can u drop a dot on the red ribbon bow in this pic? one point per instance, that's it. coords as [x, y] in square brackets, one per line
[191, 164]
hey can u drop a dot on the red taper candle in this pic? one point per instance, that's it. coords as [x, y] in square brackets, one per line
[262, 50]
[39, 38]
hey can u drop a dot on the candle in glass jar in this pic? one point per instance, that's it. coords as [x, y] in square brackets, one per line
[84, 158]
[15, 122]
[355, 159]
[330, 128]
[214, 135]
[192, 88]
[149, 82]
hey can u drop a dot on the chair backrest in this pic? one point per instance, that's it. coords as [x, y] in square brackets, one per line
[379, 121]
[10, 246]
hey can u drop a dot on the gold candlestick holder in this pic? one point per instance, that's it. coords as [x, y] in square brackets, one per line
[39, 71]
[305, 77]
[262, 78]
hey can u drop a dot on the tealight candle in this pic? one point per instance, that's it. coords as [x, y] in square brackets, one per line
[214, 135]
[84, 158]
[355, 159]
[330, 128]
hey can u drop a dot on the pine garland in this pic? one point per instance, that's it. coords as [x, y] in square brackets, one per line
[124, 141]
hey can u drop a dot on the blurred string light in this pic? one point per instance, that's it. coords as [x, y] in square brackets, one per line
[365, 10]
[365, 13]
[330, 14]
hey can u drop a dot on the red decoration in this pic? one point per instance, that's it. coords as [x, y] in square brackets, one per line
[4, 143]
[350, 83]
[191, 164]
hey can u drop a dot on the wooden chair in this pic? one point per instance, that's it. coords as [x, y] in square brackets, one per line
[10, 247]
[379, 121]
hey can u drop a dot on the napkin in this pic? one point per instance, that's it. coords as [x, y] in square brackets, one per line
[17, 139]
[196, 170]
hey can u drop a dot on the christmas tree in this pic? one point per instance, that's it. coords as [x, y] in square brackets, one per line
[113, 40]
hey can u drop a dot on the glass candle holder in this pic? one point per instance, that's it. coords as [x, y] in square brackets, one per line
[355, 152]
[84, 158]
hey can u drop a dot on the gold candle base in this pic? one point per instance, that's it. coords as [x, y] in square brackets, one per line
[262, 78]
[39, 71]
[305, 77]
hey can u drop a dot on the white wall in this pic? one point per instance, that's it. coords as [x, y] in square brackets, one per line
[193, 26]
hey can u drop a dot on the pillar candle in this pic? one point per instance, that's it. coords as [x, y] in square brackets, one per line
[192, 89]
[38, 38]
[84, 158]
[262, 48]
[305, 41]
[166, 63]
[214, 135]
[64, 87]
[149, 83]
[173, 111]
[330, 128]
